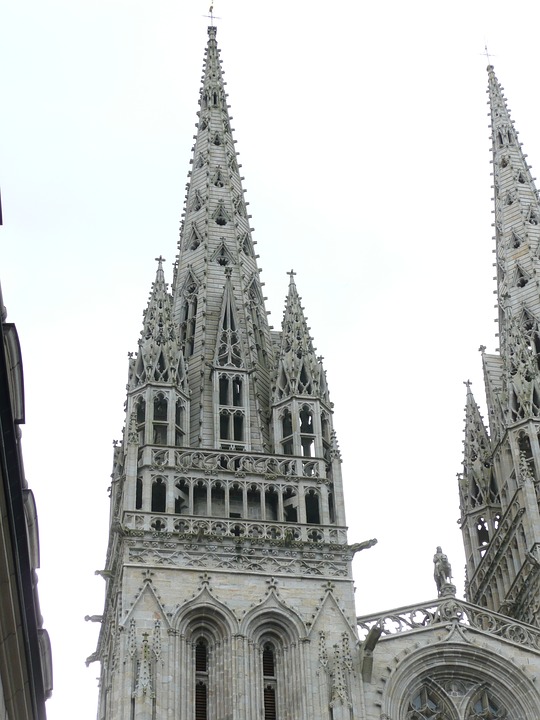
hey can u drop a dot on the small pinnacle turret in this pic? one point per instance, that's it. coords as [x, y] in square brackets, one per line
[299, 371]
[160, 357]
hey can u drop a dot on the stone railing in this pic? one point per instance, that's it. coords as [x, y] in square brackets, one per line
[450, 610]
[212, 462]
[213, 528]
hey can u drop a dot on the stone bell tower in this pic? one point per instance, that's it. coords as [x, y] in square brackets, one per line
[229, 589]
[500, 486]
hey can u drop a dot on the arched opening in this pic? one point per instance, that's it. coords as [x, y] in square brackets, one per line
[179, 423]
[140, 409]
[271, 503]
[270, 682]
[181, 499]
[201, 680]
[200, 495]
[290, 505]
[160, 419]
[254, 502]
[236, 502]
[313, 515]
[139, 494]
[286, 432]
[218, 500]
[159, 495]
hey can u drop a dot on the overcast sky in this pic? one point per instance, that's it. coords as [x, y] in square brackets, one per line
[363, 135]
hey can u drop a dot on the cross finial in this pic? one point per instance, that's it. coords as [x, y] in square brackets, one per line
[468, 383]
[486, 53]
[160, 259]
[211, 15]
[482, 349]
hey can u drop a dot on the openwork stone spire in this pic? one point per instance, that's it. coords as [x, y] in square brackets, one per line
[500, 486]
[477, 488]
[160, 356]
[300, 371]
[216, 250]
[517, 224]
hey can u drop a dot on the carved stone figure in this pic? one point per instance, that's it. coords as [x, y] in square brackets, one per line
[442, 571]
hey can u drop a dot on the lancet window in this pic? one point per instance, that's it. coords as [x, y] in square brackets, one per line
[188, 317]
[139, 494]
[160, 417]
[485, 707]
[201, 679]
[159, 495]
[270, 681]
[307, 437]
[140, 411]
[229, 351]
[287, 433]
[425, 705]
[179, 422]
[313, 514]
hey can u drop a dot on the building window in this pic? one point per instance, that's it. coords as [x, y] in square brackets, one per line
[179, 419]
[188, 318]
[160, 420]
[140, 409]
[313, 514]
[484, 707]
[424, 706]
[159, 495]
[287, 433]
[270, 682]
[201, 680]
[139, 494]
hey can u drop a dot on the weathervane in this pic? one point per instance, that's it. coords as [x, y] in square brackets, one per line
[211, 15]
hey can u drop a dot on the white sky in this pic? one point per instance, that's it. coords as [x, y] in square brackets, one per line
[363, 135]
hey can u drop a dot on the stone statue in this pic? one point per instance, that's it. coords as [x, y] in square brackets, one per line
[442, 571]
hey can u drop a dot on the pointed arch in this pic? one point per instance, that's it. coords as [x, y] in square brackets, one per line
[219, 179]
[188, 313]
[229, 350]
[484, 706]
[220, 214]
[222, 254]
[193, 237]
[197, 202]
[443, 668]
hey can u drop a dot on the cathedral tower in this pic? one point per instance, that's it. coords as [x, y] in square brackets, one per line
[229, 589]
[499, 489]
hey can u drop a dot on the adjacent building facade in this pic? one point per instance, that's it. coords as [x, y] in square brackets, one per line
[228, 572]
[25, 653]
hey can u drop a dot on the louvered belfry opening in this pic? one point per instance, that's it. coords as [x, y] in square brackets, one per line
[269, 675]
[270, 703]
[201, 701]
[201, 674]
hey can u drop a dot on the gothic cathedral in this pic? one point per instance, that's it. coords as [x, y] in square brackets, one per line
[229, 587]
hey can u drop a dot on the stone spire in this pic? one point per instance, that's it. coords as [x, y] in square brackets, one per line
[216, 258]
[216, 477]
[517, 221]
[477, 490]
[500, 480]
[299, 371]
[159, 358]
